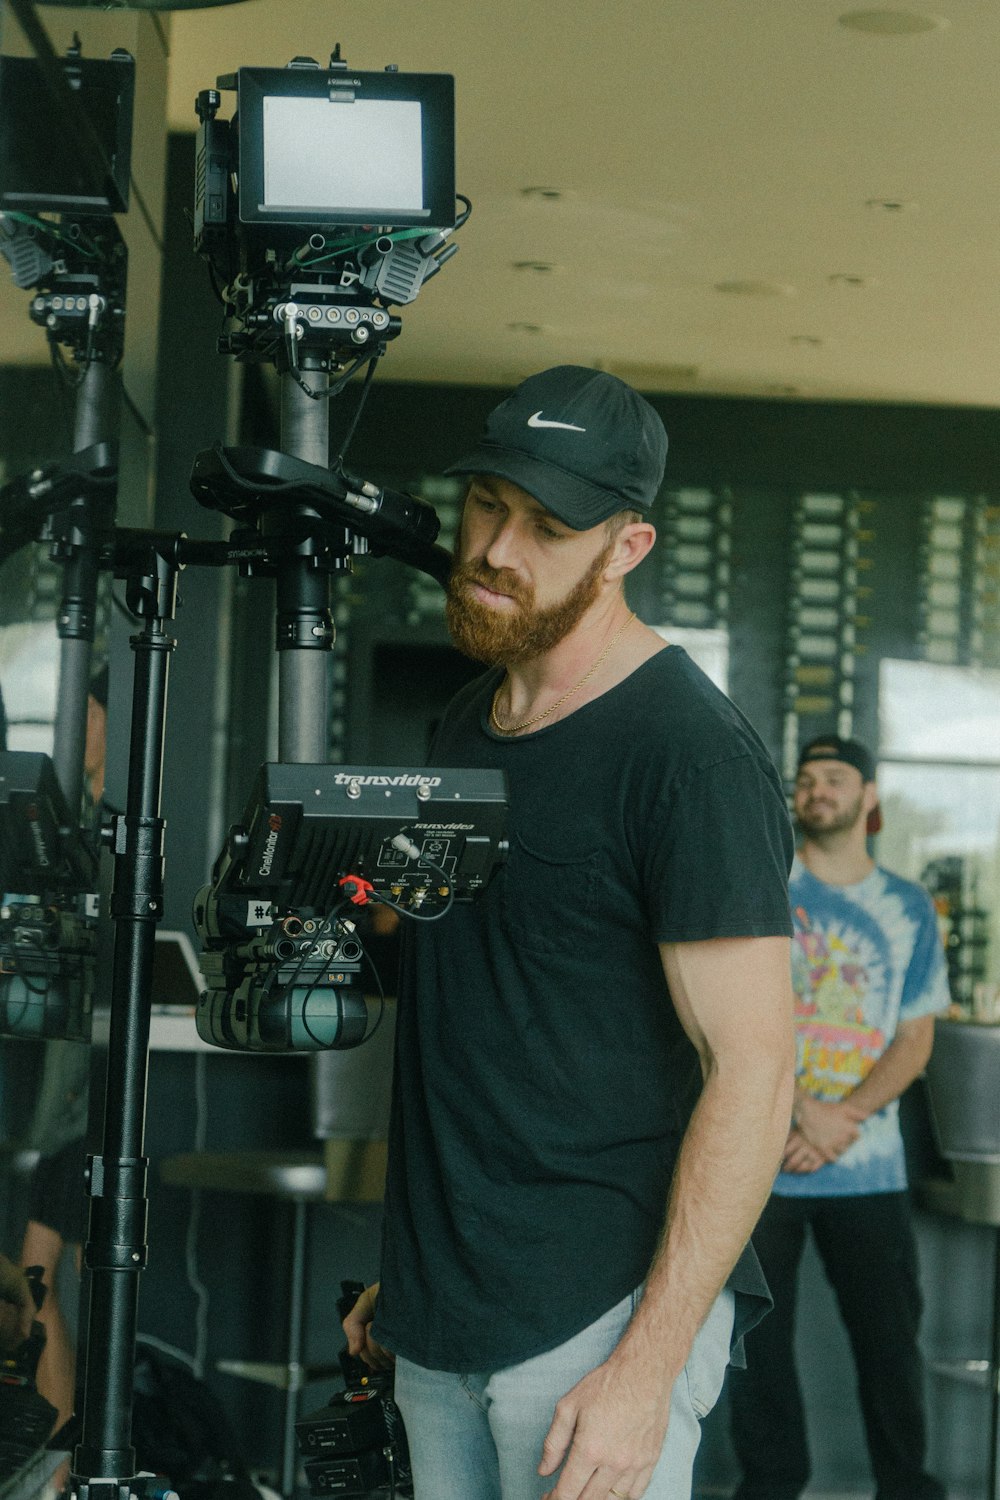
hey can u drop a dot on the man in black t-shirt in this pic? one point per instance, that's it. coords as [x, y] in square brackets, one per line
[594, 1060]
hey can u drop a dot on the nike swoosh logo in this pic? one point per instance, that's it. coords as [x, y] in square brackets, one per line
[539, 421]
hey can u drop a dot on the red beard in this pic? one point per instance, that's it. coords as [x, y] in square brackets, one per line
[508, 636]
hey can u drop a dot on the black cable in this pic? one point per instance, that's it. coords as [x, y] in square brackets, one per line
[338, 386]
[419, 916]
[17, 973]
[216, 285]
[351, 371]
[365, 388]
[32, 989]
[326, 927]
[271, 980]
[66, 407]
[70, 380]
[247, 484]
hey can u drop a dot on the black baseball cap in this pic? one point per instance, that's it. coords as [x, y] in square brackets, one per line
[582, 442]
[852, 753]
[833, 747]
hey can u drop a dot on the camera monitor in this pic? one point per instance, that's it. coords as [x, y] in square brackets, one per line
[319, 147]
[42, 852]
[41, 169]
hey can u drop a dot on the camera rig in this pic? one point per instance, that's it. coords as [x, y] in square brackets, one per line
[326, 200]
[78, 268]
[48, 865]
[323, 514]
[48, 930]
[72, 162]
[281, 958]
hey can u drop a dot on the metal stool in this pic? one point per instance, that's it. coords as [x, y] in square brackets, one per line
[298, 1178]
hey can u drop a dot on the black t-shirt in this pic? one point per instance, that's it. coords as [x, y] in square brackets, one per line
[543, 1081]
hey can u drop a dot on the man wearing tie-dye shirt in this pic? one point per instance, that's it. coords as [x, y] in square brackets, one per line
[869, 976]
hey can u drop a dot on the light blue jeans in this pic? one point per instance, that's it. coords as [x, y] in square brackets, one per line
[479, 1436]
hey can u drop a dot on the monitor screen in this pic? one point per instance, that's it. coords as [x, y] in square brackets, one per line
[364, 157]
[40, 169]
[319, 148]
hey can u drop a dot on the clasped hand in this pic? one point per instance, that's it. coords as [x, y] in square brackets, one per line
[823, 1130]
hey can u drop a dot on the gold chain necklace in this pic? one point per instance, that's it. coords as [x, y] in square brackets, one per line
[537, 718]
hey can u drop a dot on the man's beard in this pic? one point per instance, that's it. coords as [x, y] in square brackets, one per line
[817, 827]
[508, 636]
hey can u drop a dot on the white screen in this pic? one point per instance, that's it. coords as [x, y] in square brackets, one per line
[365, 155]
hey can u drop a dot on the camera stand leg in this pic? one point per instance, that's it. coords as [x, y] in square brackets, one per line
[115, 1253]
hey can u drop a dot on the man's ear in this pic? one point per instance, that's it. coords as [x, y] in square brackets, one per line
[632, 544]
[871, 809]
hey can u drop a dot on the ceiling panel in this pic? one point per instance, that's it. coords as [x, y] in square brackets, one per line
[753, 198]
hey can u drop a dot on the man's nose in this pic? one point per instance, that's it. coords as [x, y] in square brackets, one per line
[502, 550]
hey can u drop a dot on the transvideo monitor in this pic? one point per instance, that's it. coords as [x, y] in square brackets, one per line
[325, 148]
[42, 170]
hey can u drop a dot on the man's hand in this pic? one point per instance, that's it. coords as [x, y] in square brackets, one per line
[609, 1429]
[17, 1307]
[829, 1125]
[799, 1155]
[730, 995]
[357, 1328]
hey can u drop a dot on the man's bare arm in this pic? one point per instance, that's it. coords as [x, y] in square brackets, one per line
[733, 998]
[902, 1061]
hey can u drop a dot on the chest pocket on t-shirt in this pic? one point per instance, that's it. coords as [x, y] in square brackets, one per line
[550, 900]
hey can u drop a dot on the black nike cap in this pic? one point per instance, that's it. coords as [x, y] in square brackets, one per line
[582, 442]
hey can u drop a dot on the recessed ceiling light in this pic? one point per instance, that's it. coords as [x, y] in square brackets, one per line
[891, 205]
[891, 22]
[755, 288]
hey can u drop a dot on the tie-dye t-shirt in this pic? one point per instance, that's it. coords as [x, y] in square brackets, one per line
[864, 958]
